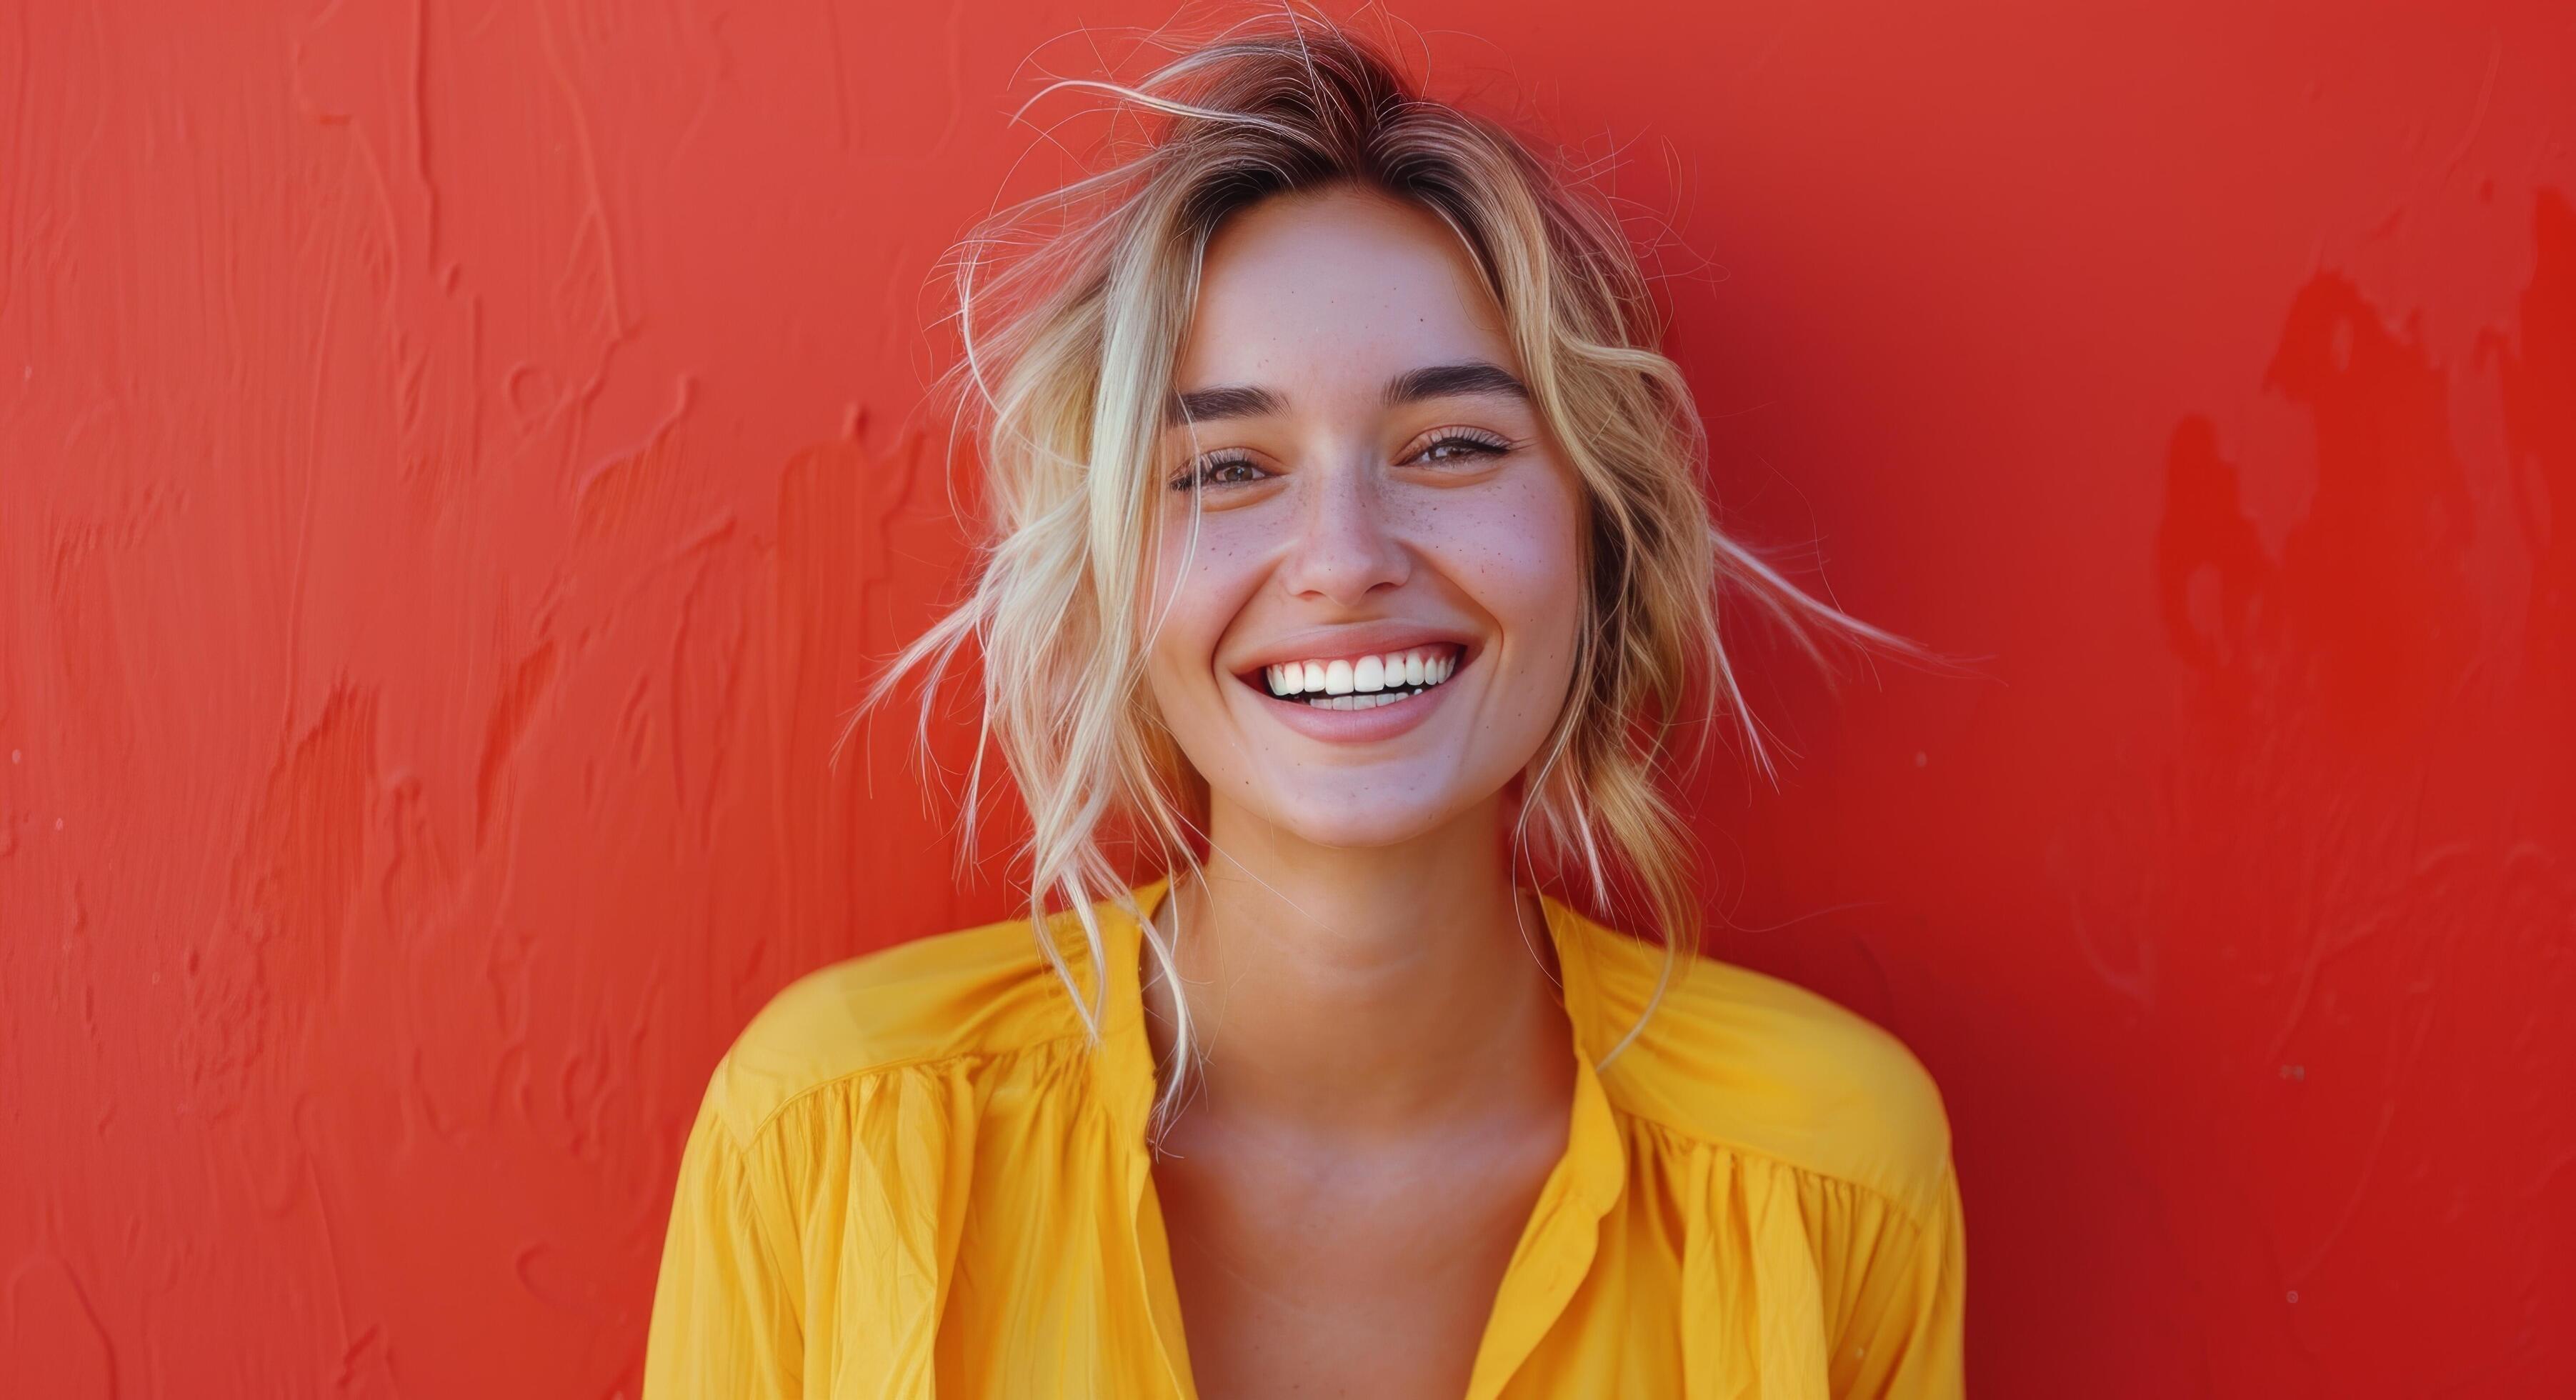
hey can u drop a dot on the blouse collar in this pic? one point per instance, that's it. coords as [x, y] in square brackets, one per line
[1557, 1244]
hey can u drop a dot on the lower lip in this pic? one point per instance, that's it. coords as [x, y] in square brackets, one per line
[1355, 726]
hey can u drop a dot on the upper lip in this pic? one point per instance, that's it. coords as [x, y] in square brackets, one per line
[1350, 642]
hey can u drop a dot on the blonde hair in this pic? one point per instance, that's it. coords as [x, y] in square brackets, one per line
[1072, 308]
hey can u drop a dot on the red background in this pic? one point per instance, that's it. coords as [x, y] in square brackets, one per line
[457, 461]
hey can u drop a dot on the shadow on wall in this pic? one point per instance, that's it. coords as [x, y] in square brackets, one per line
[2539, 377]
[2370, 590]
[2338, 912]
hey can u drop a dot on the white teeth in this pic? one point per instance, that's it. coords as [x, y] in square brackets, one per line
[1364, 684]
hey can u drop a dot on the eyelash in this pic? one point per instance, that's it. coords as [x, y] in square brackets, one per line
[1196, 473]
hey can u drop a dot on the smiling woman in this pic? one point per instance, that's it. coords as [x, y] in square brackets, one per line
[1349, 548]
[1364, 473]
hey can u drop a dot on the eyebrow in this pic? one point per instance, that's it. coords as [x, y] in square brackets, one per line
[1232, 401]
[1429, 382]
[1445, 381]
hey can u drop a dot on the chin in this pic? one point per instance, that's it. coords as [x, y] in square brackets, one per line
[1363, 818]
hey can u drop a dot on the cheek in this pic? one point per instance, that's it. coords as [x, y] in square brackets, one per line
[1517, 552]
[1198, 589]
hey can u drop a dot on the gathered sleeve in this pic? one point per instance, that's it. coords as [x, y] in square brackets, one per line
[725, 1320]
[1904, 1323]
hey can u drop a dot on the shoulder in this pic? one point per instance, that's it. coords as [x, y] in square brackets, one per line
[967, 993]
[1747, 1060]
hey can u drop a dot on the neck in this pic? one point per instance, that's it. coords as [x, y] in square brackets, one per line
[1365, 993]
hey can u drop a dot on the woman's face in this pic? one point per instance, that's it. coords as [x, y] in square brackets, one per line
[1374, 628]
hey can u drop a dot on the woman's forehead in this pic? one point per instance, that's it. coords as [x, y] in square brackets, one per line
[1340, 287]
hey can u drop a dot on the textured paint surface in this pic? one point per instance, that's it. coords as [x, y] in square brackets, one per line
[457, 462]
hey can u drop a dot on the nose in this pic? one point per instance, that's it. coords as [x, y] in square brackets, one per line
[1344, 546]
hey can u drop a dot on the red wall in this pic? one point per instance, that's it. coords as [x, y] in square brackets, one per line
[456, 461]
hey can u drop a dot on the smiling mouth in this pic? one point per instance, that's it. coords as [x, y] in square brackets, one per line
[1360, 683]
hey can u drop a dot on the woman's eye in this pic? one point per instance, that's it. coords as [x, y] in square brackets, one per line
[1448, 449]
[1222, 471]
[1462, 447]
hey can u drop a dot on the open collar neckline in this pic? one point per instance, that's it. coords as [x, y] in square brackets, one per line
[1558, 1240]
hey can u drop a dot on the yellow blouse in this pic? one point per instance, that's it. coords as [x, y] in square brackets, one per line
[911, 1177]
